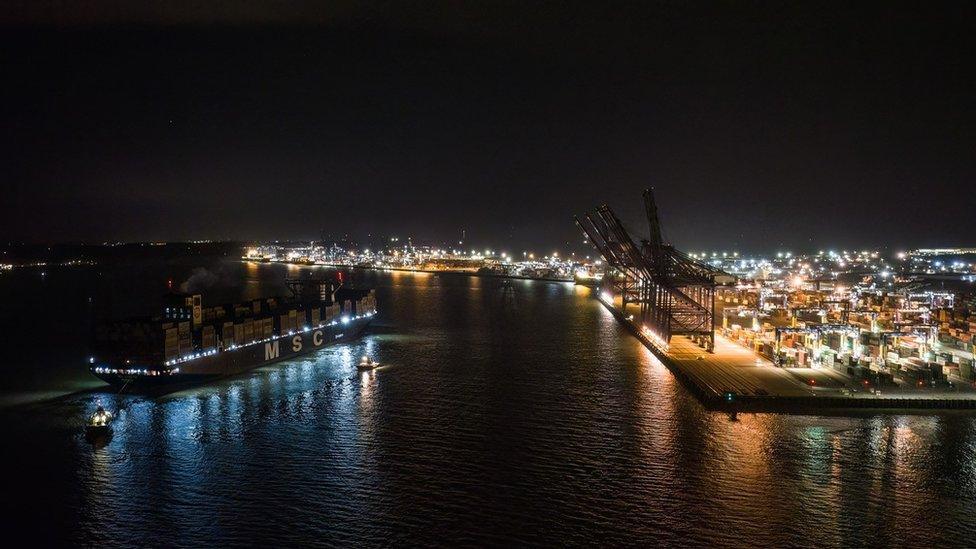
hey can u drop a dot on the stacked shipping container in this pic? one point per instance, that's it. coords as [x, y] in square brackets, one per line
[219, 327]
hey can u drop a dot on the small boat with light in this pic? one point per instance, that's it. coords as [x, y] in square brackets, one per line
[367, 364]
[99, 424]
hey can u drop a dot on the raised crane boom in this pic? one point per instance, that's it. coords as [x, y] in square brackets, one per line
[676, 294]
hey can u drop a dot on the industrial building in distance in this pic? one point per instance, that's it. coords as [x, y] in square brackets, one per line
[407, 257]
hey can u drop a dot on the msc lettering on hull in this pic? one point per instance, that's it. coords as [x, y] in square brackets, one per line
[271, 350]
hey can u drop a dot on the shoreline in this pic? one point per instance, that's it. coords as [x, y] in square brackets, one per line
[424, 271]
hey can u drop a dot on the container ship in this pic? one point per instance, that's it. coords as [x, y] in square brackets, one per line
[190, 344]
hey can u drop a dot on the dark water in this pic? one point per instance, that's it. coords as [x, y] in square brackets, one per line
[497, 420]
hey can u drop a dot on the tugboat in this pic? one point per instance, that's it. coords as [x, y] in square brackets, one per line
[367, 364]
[99, 424]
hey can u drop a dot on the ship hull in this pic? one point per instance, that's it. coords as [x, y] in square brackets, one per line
[228, 363]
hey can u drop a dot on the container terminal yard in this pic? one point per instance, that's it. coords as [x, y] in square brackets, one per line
[834, 329]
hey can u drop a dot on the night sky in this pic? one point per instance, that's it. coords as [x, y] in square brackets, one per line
[795, 126]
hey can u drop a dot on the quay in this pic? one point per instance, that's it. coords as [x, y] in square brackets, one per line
[733, 378]
[667, 299]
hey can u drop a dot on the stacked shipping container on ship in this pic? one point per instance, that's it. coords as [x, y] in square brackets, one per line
[190, 343]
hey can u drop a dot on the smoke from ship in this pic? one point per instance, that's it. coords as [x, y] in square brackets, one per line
[198, 281]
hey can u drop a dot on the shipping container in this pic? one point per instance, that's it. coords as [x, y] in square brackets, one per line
[250, 334]
[171, 346]
[208, 340]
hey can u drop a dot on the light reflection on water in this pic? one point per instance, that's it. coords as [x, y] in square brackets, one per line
[490, 421]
